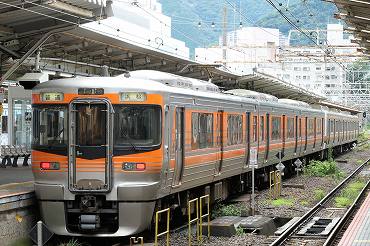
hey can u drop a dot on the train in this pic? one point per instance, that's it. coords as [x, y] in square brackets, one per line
[108, 152]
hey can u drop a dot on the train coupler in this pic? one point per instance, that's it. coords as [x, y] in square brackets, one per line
[89, 222]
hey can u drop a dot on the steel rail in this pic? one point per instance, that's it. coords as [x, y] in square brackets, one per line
[284, 236]
[333, 235]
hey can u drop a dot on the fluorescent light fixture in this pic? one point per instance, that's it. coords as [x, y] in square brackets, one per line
[69, 8]
[359, 1]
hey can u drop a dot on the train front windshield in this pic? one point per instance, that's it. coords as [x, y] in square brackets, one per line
[50, 124]
[138, 125]
[134, 125]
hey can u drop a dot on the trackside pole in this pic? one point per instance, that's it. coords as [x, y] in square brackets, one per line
[39, 233]
[253, 164]
[253, 202]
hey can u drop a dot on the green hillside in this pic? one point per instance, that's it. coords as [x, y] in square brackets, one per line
[186, 14]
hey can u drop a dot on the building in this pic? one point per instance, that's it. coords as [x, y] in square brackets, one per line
[321, 68]
[143, 23]
[246, 48]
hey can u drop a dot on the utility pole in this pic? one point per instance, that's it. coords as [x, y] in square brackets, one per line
[224, 36]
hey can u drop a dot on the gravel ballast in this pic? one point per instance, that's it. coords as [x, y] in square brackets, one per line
[300, 201]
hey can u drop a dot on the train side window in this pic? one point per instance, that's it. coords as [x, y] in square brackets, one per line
[290, 125]
[195, 131]
[234, 129]
[310, 127]
[332, 126]
[276, 128]
[255, 129]
[202, 130]
[262, 128]
[318, 127]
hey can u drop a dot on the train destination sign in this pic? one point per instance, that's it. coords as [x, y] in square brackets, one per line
[51, 96]
[90, 91]
[133, 96]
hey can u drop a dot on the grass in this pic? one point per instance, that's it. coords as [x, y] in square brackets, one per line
[349, 194]
[359, 161]
[282, 202]
[319, 194]
[363, 147]
[304, 203]
[72, 242]
[323, 169]
[22, 242]
[239, 231]
[226, 210]
[363, 136]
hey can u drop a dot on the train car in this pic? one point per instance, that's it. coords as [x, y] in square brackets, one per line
[108, 152]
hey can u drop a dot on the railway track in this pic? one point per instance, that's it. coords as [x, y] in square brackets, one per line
[323, 223]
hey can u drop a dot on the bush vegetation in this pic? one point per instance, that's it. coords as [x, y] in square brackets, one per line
[323, 168]
[221, 209]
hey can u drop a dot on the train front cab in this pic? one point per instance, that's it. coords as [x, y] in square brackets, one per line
[93, 171]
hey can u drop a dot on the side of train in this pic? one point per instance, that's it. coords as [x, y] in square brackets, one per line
[108, 152]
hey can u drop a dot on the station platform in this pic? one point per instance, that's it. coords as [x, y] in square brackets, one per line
[15, 174]
[358, 232]
[15, 189]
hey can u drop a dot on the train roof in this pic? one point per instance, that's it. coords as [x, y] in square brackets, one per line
[155, 81]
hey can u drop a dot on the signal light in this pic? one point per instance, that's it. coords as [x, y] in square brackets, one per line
[140, 166]
[45, 165]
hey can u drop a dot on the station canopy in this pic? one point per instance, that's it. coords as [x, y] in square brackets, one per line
[90, 48]
[356, 14]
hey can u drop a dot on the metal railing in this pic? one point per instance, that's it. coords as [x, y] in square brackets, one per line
[167, 231]
[201, 216]
[194, 220]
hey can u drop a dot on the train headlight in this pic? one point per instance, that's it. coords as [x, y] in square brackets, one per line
[51, 96]
[133, 166]
[45, 165]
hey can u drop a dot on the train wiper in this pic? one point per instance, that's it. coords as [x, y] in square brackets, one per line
[129, 141]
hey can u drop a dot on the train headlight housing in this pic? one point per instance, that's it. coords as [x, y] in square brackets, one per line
[51, 96]
[133, 166]
[45, 165]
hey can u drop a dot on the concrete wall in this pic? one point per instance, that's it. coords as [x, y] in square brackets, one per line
[17, 218]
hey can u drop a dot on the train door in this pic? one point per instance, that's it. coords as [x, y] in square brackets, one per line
[220, 140]
[305, 133]
[299, 134]
[179, 146]
[328, 131]
[334, 122]
[268, 136]
[296, 135]
[322, 131]
[247, 138]
[90, 145]
[284, 133]
[314, 132]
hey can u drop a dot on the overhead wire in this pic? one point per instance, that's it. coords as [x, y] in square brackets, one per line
[305, 34]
